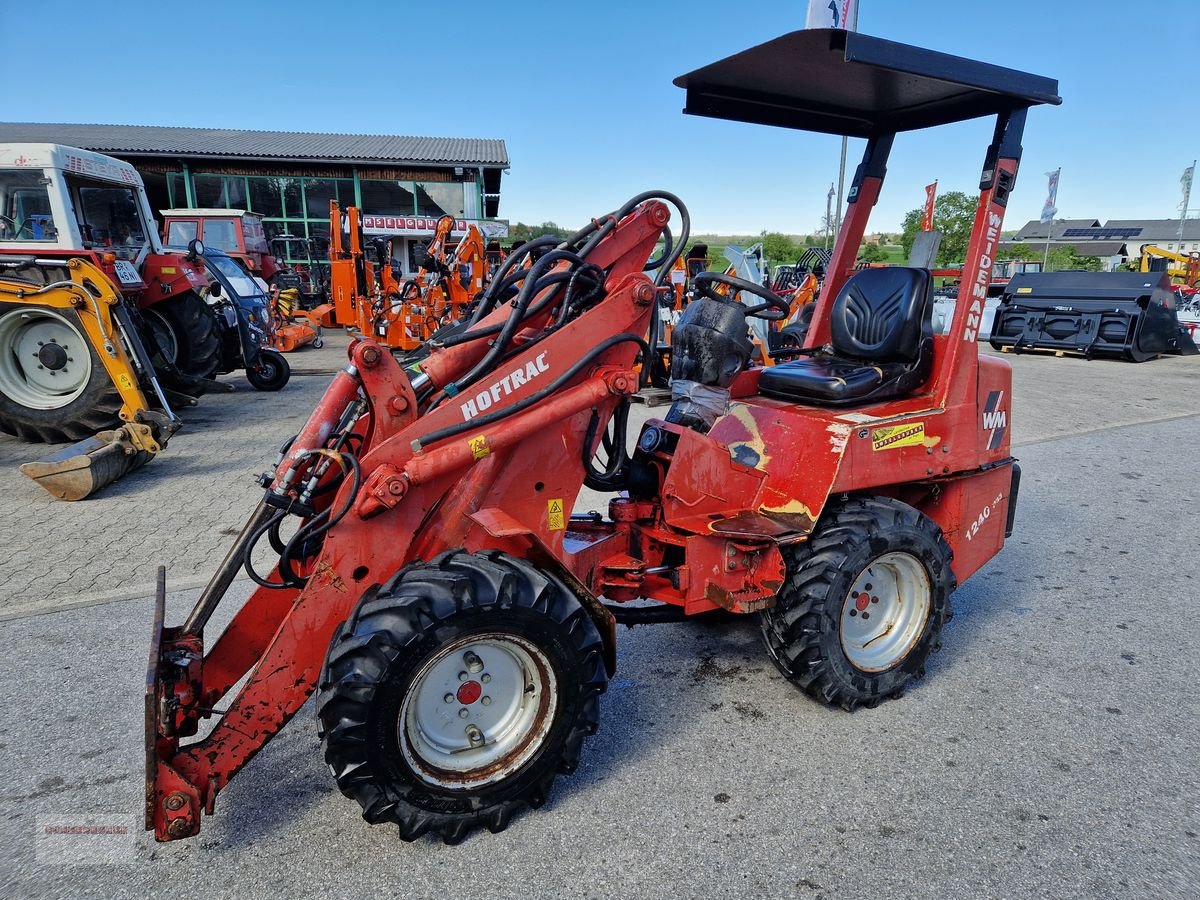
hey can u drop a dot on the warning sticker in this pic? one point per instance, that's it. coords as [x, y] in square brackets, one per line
[554, 510]
[1025, 290]
[479, 446]
[892, 436]
[124, 382]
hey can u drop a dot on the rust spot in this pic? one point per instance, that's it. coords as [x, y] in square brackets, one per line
[327, 573]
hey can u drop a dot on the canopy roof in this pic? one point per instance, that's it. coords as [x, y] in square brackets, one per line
[840, 82]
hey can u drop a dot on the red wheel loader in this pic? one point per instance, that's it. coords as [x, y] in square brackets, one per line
[457, 622]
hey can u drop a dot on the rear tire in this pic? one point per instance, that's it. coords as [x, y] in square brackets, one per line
[197, 344]
[75, 403]
[391, 698]
[272, 373]
[871, 556]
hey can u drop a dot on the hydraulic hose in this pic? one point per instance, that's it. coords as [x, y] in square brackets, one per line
[488, 301]
[514, 319]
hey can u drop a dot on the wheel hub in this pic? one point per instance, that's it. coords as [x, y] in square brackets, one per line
[52, 356]
[477, 711]
[45, 362]
[885, 612]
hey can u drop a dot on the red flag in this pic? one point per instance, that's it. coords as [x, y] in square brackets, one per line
[930, 197]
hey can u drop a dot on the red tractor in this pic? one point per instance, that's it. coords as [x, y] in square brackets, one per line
[457, 622]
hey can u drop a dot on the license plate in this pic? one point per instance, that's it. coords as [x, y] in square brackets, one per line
[126, 273]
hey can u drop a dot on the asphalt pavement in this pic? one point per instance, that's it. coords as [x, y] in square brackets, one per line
[1049, 751]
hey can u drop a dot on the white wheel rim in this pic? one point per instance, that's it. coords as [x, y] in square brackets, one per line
[164, 336]
[45, 361]
[477, 711]
[885, 611]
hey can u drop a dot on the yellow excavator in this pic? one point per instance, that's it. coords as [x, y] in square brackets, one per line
[1156, 259]
[71, 369]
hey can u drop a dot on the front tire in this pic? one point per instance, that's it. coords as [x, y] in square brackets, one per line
[455, 694]
[194, 344]
[863, 604]
[272, 373]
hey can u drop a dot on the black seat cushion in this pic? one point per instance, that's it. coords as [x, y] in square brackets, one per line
[881, 340]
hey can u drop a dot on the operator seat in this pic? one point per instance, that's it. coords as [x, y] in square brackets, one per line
[881, 343]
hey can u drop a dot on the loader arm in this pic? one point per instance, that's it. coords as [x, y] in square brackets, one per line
[397, 465]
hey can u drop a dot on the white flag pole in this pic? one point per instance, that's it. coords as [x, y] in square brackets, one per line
[851, 25]
[1186, 181]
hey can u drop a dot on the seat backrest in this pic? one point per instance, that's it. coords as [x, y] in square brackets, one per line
[883, 315]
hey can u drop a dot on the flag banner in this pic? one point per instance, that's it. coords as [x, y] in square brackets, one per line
[1049, 211]
[1185, 182]
[831, 13]
[930, 198]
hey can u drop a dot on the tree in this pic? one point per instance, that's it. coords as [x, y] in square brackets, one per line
[779, 248]
[1021, 252]
[522, 232]
[872, 253]
[953, 216]
[1064, 258]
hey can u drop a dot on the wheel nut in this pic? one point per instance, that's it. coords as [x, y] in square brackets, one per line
[462, 713]
[463, 676]
[486, 701]
[449, 698]
[485, 678]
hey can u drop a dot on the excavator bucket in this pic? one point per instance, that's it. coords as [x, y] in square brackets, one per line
[78, 471]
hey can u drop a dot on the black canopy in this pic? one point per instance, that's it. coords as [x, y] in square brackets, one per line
[841, 82]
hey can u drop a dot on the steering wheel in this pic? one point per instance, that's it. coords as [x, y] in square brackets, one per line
[774, 309]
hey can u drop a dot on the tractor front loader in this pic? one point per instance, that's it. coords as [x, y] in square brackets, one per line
[71, 366]
[457, 621]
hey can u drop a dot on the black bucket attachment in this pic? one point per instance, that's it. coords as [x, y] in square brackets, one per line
[1118, 315]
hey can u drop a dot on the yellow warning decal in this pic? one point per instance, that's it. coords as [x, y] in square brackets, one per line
[168, 270]
[554, 510]
[479, 446]
[911, 434]
[1025, 290]
[124, 382]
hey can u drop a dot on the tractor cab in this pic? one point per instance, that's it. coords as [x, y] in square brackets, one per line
[56, 199]
[234, 231]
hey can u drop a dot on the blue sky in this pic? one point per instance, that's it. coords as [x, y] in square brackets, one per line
[582, 93]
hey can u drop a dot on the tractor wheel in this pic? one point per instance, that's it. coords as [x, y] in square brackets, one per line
[53, 384]
[272, 373]
[183, 331]
[457, 692]
[863, 605]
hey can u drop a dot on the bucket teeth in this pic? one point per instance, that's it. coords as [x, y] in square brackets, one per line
[78, 471]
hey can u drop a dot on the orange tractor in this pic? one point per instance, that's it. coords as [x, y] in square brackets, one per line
[455, 619]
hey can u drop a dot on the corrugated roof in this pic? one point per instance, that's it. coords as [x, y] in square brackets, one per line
[1159, 229]
[237, 144]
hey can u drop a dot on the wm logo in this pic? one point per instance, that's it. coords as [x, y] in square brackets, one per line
[995, 420]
